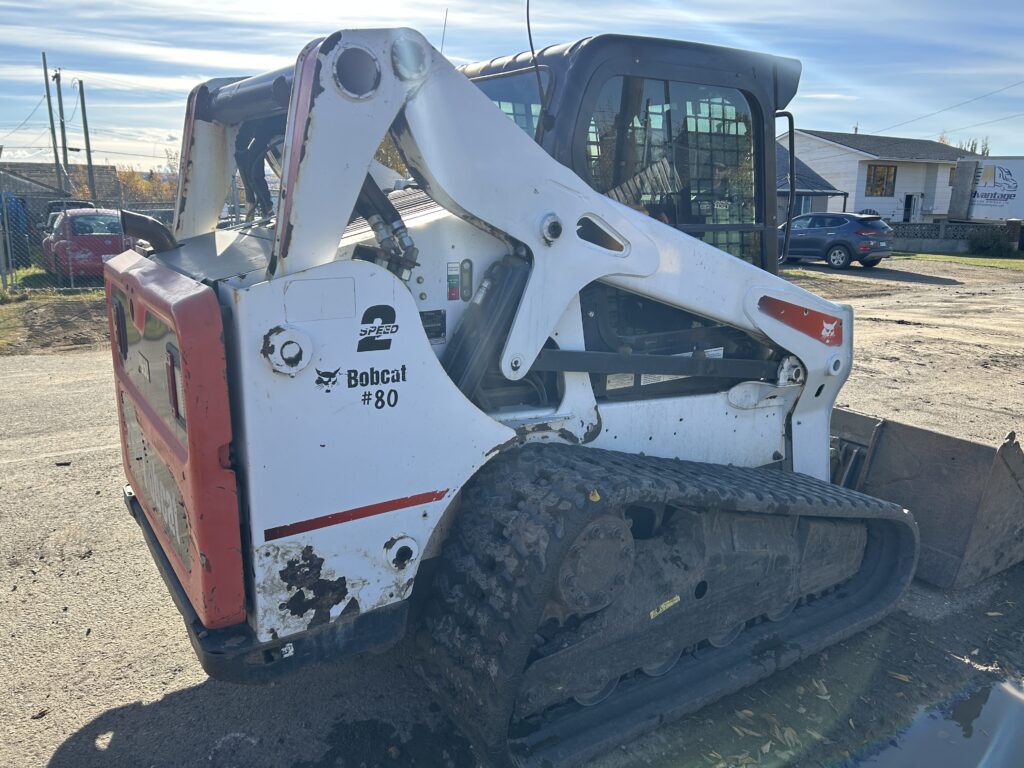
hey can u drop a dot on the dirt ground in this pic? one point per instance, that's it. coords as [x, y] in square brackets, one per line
[936, 344]
[97, 668]
[53, 323]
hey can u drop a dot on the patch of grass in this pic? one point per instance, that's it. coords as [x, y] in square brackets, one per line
[36, 278]
[33, 277]
[1016, 264]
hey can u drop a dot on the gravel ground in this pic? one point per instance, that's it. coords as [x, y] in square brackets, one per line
[98, 669]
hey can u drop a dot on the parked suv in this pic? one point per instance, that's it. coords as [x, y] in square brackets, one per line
[838, 238]
[81, 240]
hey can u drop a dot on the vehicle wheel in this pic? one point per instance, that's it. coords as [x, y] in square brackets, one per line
[595, 697]
[869, 263]
[781, 614]
[838, 257]
[663, 667]
[727, 638]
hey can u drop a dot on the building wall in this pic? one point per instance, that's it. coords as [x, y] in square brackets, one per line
[943, 191]
[847, 170]
[910, 180]
[833, 163]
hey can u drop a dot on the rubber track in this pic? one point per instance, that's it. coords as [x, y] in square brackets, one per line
[517, 517]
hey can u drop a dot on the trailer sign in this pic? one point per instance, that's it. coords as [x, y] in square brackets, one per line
[996, 196]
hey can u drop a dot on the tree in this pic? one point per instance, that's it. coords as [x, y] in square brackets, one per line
[973, 144]
[968, 145]
[149, 186]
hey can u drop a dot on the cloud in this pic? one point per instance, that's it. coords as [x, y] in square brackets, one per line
[105, 44]
[829, 96]
[102, 80]
[882, 64]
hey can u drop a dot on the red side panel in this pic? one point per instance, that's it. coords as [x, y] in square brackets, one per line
[825, 328]
[171, 378]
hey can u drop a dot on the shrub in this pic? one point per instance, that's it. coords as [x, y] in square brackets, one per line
[989, 241]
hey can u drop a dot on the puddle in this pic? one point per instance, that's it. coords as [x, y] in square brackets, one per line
[985, 728]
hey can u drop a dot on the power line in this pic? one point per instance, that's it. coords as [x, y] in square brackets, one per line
[98, 151]
[75, 110]
[38, 103]
[954, 106]
[978, 125]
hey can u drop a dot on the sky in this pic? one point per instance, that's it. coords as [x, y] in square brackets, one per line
[884, 66]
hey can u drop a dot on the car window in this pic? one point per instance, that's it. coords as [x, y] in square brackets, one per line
[874, 224]
[58, 223]
[96, 224]
[817, 222]
[834, 221]
[802, 222]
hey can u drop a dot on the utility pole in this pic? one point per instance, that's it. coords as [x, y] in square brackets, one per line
[53, 132]
[5, 248]
[88, 146]
[60, 110]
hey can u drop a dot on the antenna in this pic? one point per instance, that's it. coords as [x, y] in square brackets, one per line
[536, 69]
[444, 29]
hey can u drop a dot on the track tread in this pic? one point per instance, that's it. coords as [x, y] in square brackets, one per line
[519, 514]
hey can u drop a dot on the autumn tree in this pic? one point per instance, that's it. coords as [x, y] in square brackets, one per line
[146, 186]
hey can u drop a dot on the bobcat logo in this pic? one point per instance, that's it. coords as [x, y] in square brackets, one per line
[828, 330]
[326, 379]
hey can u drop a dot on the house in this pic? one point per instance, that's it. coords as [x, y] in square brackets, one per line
[812, 191]
[899, 179]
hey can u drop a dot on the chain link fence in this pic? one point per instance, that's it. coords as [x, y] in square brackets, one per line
[60, 245]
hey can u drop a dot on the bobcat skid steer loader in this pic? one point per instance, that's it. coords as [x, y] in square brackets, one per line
[592, 450]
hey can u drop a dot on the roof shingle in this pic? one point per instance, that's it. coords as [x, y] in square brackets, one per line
[893, 147]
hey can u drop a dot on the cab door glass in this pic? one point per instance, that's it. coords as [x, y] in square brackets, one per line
[681, 152]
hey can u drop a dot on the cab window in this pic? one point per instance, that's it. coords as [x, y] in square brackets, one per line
[516, 95]
[681, 152]
[803, 222]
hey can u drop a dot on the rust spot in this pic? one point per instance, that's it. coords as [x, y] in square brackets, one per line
[595, 429]
[286, 244]
[512, 442]
[568, 436]
[268, 345]
[303, 575]
[330, 43]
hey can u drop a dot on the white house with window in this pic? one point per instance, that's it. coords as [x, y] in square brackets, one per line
[899, 179]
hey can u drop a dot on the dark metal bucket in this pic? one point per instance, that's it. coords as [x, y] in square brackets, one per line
[967, 498]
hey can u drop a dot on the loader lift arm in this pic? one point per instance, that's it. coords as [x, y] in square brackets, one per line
[468, 157]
